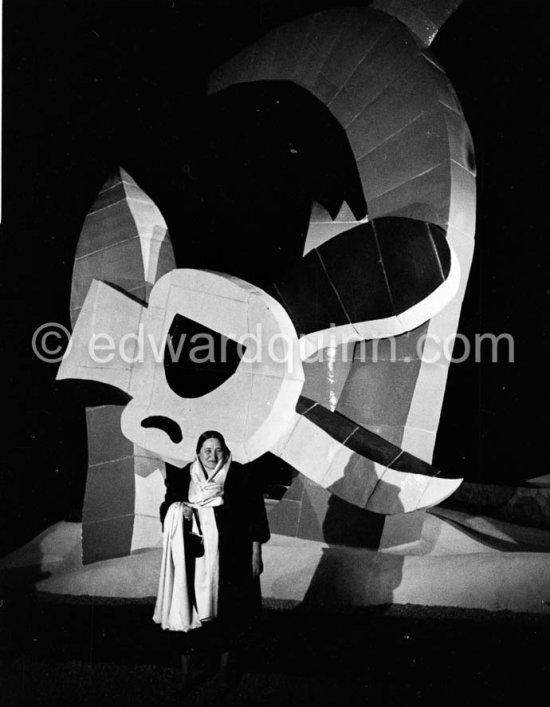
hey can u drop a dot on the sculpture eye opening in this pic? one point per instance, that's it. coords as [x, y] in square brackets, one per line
[197, 359]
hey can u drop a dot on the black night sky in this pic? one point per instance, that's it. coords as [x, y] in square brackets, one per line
[93, 84]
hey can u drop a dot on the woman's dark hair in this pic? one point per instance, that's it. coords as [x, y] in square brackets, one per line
[212, 434]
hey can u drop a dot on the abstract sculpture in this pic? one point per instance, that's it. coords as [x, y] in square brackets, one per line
[341, 420]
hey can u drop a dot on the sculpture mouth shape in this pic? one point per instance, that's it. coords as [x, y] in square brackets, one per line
[166, 424]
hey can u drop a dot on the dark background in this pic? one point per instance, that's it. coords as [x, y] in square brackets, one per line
[90, 85]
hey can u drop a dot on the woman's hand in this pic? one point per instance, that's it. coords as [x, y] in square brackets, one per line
[187, 511]
[257, 564]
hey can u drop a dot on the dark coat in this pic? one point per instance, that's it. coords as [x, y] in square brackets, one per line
[241, 520]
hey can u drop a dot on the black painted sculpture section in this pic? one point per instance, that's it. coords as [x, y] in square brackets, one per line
[376, 270]
[262, 153]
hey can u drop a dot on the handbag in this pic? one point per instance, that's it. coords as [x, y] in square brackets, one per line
[194, 544]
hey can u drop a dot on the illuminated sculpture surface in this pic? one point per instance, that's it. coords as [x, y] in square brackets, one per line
[414, 156]
[256, 405]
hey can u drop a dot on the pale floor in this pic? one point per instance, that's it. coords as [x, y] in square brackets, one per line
[460, 561]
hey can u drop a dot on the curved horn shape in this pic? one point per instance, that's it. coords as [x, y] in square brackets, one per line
[422, 17]
[415, 158]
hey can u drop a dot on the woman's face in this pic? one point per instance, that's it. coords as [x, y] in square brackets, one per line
[211, 452]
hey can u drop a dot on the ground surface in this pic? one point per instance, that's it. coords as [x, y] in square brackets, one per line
[459, 560]
[74, 634]
[68, 650]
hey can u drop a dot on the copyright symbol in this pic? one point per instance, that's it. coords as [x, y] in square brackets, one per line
[51, 342]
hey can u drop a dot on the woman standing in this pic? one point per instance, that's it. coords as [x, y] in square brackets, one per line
[214, 523]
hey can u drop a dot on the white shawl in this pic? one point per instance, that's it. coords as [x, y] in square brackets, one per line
[175, 609]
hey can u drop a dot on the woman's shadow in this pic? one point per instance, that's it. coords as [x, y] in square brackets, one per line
[351, 571]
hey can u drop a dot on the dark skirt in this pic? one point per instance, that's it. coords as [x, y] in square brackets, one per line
[239, 604]
[223, 633]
